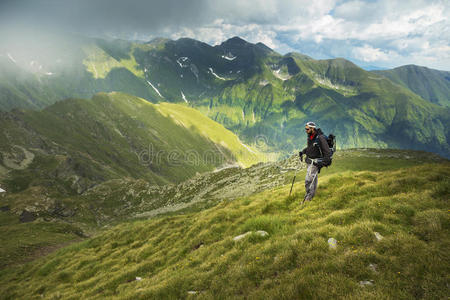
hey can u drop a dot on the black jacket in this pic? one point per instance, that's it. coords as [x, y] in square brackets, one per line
[318, 147]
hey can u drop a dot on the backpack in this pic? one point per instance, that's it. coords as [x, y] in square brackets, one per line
[331, 141]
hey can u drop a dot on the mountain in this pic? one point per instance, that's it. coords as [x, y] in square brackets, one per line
[75, 144]
[262, 96]
[53, 68]
[386, 210]
[432, 85]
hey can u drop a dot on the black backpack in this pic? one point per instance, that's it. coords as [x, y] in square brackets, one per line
[331, 141]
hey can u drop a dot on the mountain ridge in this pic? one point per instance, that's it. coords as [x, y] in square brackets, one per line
[256, 92]
[432, 85]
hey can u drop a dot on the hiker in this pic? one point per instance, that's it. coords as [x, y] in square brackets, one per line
[318, 154]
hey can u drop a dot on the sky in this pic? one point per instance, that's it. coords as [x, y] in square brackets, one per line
[371, 33]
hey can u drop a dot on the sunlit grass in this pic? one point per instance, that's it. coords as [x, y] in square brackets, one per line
[195, 251]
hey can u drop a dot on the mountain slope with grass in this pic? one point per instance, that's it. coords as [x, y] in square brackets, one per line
[76, 144]
[55, 67]
[249, 88]
[388, 211]
[56, 163]
[432, 85]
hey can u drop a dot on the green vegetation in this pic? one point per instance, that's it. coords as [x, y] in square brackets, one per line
[251, 90]
[99, 63]
[194, 120]
[401, 195]
[112, 136]
[23, 242]
[432, 85]
[53, 162]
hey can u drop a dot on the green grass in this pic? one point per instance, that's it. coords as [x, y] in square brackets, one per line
[193, 119]
[100, 63]
[194, 251]
[22, 242]
[116, 135]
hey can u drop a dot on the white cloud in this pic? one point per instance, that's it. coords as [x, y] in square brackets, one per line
[414, 31]
[219, 31]
[369, 54]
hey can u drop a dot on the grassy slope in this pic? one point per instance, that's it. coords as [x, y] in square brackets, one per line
[97, 140]
[216, 132]
[402, 198]
[111, 132]
[23, 242]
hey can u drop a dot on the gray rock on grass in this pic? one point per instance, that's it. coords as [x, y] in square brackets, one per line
[259, 232]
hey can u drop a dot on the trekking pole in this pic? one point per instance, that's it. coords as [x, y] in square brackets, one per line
[293, 180]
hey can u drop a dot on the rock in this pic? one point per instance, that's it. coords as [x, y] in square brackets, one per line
[192, 292]
[378, 236]
[68, 212]
[5, 208]
[2, 190]
[262, 233]
[373, 268]
[240, 237]
[259, 232]
[332, 243]
[138, 278]
[365, 283]
[199, 245]
[27, 216]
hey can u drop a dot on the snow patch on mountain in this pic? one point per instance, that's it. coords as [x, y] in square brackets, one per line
[278, 75]
[217, 76]
[229, 56]
[183, 62]
[184, 97]
[156, 90]
[247, 147]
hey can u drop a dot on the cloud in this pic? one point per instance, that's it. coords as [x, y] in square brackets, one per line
[219, 31]
[100, 16]
[369, 54]
[415, 31]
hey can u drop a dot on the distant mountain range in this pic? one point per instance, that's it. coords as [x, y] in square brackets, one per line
[250, 89]
[432, 85]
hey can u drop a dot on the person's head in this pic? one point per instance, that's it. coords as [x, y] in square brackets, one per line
[310, 128]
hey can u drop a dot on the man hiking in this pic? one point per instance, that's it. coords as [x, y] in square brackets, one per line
[318, 154]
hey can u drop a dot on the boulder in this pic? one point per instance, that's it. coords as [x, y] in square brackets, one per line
[27, 216]
[332, 243]
[365, 283]
[240, 237]
[262, 233]
[378, 236]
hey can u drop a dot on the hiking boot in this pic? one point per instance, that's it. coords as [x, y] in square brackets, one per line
[305, 199]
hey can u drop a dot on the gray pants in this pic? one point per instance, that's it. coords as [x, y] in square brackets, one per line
[311, 180]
